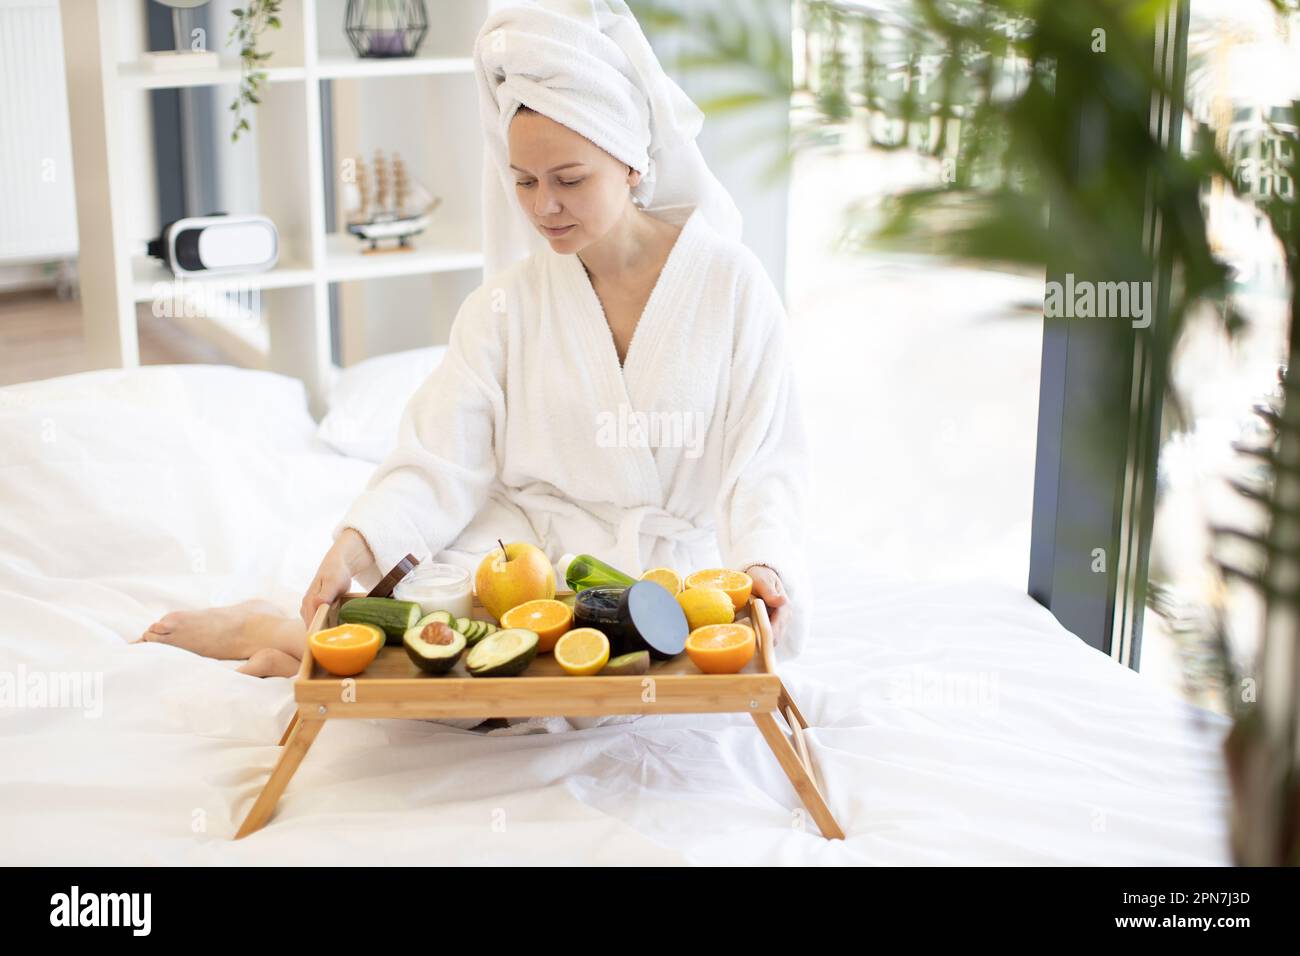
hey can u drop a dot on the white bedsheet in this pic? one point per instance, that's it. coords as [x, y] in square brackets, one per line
[953, 724]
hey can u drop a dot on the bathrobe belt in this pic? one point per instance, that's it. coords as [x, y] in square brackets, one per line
[623, 525]
[654, 521]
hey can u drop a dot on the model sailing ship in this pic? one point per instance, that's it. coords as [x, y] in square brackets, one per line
[393, 206]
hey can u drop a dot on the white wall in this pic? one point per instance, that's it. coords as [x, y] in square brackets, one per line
[743, 148]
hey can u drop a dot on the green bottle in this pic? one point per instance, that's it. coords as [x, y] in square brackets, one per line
[583, 571]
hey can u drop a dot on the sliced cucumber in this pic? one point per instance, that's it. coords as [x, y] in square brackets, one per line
[462, 624]
[506, 653]
[481, 630]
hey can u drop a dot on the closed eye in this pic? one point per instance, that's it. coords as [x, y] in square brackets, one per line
[529, 183]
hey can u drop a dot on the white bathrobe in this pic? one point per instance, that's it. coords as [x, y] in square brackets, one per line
[691, 455]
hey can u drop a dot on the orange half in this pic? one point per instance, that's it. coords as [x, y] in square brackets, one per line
[347, 649]
[737, 584]
[546, 617]
[721, 648]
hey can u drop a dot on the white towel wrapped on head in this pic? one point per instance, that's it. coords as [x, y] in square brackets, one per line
[587, 65]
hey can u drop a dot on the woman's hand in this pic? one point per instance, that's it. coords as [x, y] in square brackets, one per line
[767, 585]
[349, 556]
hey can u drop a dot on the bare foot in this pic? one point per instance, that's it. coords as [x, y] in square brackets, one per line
[231, 633]
[269, 662]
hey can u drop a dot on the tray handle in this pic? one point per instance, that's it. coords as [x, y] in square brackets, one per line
[317, 624]
[764, 626]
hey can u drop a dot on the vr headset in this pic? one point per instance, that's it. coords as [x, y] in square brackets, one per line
[217, 245]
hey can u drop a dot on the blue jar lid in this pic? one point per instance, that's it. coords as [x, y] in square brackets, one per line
[656, 618]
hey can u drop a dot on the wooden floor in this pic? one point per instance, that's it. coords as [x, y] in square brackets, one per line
[40, 337]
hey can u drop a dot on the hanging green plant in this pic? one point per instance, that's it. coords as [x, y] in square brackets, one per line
[250, 23]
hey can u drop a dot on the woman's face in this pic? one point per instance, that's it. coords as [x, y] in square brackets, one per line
[572, 191]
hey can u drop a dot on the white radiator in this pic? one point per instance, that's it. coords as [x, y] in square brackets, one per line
[38, 214]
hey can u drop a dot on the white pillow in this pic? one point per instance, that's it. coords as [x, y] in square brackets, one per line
[248, 405]
[367, 402]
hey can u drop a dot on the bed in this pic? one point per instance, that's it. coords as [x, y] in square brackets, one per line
[953, 724]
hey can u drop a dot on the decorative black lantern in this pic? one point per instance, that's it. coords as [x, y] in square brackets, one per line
[384, 28]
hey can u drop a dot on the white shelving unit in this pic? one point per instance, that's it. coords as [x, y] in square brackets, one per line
[341, 67]
[134, 77]
[423, 107]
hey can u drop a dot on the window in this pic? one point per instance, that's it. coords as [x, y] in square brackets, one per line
[1247, 66]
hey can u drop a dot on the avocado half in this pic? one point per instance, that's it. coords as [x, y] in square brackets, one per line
[433, 646]
[506, 653]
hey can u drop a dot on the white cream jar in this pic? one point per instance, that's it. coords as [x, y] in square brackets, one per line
[438, 587]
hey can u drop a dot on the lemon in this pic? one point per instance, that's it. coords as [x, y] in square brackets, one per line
[669, 578]
[582, 651]
[705, 606]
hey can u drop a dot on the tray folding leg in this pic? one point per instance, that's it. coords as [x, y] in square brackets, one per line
[785, 703]
[794, 757]
[293, 722]
[800, 775]
[298, 740]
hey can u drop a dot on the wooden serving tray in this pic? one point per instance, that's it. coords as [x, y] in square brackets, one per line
[393, 687]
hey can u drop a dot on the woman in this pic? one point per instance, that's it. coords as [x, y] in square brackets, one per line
[618, 385]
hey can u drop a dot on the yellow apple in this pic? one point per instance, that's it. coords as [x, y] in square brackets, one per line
[509, 576]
